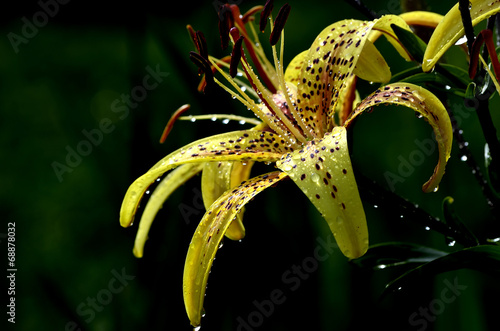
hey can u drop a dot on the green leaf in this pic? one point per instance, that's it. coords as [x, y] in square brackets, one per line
[457, 72]
[413, 44]
[395, 254]
[481, 258]
[470, 93]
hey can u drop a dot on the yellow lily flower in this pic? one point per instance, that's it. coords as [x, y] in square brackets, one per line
[305, 112]
[451, 29]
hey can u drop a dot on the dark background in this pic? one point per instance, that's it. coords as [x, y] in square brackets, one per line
[69, 244]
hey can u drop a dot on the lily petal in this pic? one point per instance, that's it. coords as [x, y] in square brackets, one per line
[217, 178]
[294, 68]
[451, 29]
[245, 145]
[208, 236]
[330, 62]
[423, 18]
[168, 185]
[371, 65]
[429, 106]
[323, 171]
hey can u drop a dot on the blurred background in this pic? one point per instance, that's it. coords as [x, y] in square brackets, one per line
[73, 139]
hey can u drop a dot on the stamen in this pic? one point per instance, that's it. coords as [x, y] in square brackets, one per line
[247, 16]
[279, 24]
[202, 44]
[264, 15]
[267, 98]
[291, 126]
[192, 34]
[225, 23]
[235, 57]
[204, 65]
[171, 122]
[250, 47]
[309, 133]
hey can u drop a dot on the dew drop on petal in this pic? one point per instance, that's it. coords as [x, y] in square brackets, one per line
[315, 177]
[427, 228]
[463, 158]
[225, 121]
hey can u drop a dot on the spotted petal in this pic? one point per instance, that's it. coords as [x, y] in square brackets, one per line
[426, 104]
[331, 60]
[245, 145]
[217, 178]
[168, 185]
[208, 236]
[323, 171]
[451, 29]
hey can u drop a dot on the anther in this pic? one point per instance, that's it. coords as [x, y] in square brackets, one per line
[235, 57]
[264, 15]
[279, 24]
[225, 23]
[204, 66]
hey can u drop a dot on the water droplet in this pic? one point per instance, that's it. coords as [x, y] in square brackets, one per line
[381, 266]
[451, 243]
[193, 119]
[287, 167]
[375, 206]
[315, 177]
[340, 221]
[427, 228]
[466, 143]
[197, 328]
[401, 216]
[418, 115]
[463, 158]
[220, 246]
[436, 189]
[242, 122]
[233, 96]
[214, 119]
[147, 192]
[447, 87]
[225, 121]
[461, 41]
